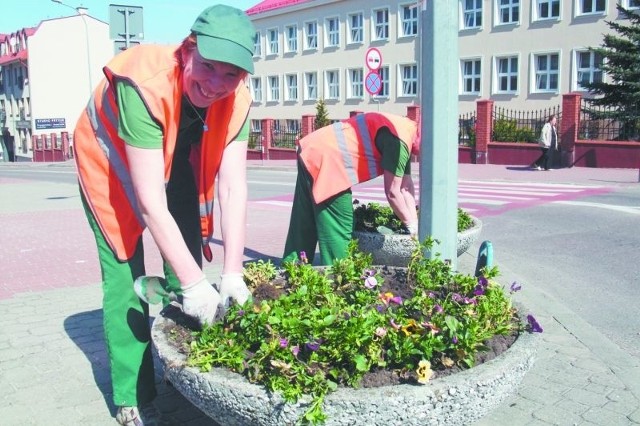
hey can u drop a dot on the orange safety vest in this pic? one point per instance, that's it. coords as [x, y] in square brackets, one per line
[100, 153]
[344, 154]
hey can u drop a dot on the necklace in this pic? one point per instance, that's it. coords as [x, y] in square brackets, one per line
[204, 125]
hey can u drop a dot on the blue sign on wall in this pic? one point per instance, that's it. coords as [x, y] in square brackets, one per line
[50, 123]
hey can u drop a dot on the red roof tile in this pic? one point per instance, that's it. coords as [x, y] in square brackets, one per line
[267, 5]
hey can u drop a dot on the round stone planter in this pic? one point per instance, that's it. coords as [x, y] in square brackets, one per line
[457, 399]
[396, 249]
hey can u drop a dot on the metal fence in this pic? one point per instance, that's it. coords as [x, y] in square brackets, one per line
[606, 123]
[467, 129]
[518, 126]
[285, 133]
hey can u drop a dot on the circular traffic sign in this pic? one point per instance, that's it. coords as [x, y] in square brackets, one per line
[373, 59]
[373, 83]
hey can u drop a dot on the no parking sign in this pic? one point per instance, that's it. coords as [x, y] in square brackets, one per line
[373, 60]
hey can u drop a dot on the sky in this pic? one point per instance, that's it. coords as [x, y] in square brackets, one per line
[164, 21]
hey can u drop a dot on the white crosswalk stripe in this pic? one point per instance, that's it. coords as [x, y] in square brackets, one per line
[473, 196]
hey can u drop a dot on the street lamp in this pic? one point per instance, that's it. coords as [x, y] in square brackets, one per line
[82, 11]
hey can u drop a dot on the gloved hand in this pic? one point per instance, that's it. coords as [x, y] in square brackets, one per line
[202, 302]
[412, 227]
[232, 286]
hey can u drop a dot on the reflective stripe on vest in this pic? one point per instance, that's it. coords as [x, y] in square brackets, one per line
[367, 143]
[109, 150]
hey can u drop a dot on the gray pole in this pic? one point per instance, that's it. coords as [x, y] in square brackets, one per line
[439, 153]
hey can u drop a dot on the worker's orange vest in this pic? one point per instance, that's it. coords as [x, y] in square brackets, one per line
[100, 153]
[344, 154]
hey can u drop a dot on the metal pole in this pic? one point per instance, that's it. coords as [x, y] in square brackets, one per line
[439, 113]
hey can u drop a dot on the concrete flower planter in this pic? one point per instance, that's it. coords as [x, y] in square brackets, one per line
[457, 399]
[396, 249]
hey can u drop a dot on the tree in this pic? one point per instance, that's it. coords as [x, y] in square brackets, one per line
[322, 116]
[619, 98]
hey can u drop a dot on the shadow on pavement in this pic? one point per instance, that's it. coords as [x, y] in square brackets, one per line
[85, 329]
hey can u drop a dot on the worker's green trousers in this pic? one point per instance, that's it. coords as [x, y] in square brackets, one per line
[328, 224]
[125, 316]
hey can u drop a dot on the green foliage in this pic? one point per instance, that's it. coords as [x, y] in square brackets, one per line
[622, 66]
[322, 116]
[259, 272]
[505, 130]
[335, 324]
[368, 217]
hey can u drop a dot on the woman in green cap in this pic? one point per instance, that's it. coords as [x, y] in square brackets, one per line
[160, 127]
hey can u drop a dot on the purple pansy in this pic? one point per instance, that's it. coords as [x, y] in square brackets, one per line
[370, 282]
[438, 309]
[479, 290]
[303, 257]
[313, 346]
[295, 349]
[535, 327]
[396, 299]
[284, 343]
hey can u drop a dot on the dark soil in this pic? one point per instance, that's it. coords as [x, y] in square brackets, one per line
[181, 332]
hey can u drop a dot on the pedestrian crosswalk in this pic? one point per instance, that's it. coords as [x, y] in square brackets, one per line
[480, 198]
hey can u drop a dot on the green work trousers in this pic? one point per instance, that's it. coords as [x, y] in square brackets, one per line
[328, 224]
[125, 316]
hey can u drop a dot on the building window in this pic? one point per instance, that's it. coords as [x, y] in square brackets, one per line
[633, 4]
[256, 89]
[272, 43]
[332, 31]
[471, 73]
[508, 11]
[274, 88]
[546, 71]
[356, 28]
[471, 14]
[380, 25]
[408, 80]
[311, 35]
[356, 83]
[507, 75]
[292, 87]
[408, 20]
[591, 6]
[311, 86]
[257, 45]
[589, 68]
[384, 78]
[332, 82]
[291, 34]
[547, 9]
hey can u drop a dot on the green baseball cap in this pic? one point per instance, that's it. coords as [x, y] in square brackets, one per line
[225, 34]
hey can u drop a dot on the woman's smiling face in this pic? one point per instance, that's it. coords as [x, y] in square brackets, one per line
[205, 81]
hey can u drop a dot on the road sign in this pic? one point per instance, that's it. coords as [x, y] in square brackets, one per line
[373, 83]
[373, 59]
[125, 22]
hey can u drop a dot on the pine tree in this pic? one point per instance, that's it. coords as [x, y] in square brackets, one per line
[322, 116]
[619, 98]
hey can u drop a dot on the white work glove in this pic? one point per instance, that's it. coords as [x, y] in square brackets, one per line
[232, 286]
[412, 227]
[202, 302]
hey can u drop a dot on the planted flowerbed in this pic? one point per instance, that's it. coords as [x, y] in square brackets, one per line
[380, 232]
[311, 332]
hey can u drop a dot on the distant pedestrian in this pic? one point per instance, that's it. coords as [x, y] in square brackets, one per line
[333, 159]
[548, 144]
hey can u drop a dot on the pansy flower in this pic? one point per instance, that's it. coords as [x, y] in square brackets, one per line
[424, 371]
[535, 327]
[284, 343]
[303, 257]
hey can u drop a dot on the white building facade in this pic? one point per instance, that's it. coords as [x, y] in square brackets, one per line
[47, 75]
[522, 54]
